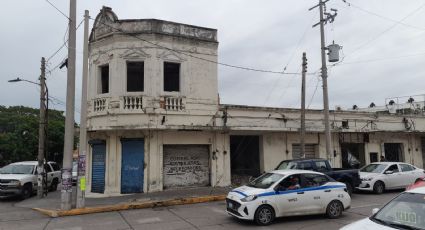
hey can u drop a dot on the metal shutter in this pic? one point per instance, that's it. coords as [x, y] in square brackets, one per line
[309, 151]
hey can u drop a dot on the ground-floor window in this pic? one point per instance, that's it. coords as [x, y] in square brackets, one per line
[394, 152]
[310, 151]
[353, 155]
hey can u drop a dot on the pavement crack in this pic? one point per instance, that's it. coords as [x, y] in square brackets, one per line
[47, 224]
[125, 220]
[181, 218]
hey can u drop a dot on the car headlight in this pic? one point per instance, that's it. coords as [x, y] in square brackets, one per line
[249, 198]
[15, 183]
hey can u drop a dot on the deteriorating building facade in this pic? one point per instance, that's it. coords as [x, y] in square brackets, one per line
[155, 122]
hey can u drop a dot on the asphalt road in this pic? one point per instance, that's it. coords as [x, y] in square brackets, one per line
[204, 216]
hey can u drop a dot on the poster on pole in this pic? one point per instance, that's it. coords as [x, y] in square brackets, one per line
[82, 165]
[66, 180]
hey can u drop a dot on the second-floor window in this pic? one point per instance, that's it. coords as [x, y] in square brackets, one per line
[104, 79]
[171, 77]
[135, 77]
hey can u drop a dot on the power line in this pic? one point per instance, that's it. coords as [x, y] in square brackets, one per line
[381, 16]
[60, 48]
[58, 10]
[289, 61]
[386, 30]
[200, 58]
[381, 59]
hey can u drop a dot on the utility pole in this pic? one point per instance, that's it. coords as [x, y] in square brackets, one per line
[81, 184]
[66, 193]
[304, 71]
[42, 131]
[323, 21]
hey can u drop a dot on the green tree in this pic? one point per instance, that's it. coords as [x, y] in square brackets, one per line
[19, 134]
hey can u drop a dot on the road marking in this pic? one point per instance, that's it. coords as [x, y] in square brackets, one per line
[149, 220]
[365, 206]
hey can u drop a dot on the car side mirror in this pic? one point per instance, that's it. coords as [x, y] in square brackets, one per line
[389, 172]
[375, 210]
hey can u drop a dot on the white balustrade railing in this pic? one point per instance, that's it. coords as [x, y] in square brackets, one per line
[132, 102]
[99, 104]
[174, 103]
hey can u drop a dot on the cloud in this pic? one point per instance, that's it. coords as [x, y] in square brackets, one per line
[258, 34]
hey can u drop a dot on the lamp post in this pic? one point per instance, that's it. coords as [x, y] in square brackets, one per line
[44, 106]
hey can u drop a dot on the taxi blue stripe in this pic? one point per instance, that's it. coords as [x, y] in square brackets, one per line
[301, 190]
[241, 193]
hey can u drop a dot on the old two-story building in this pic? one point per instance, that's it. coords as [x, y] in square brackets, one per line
[155, 121]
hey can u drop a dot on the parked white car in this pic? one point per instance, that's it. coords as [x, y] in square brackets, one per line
[288, 193]
[20, 178]
[381, 176]
[406, 211]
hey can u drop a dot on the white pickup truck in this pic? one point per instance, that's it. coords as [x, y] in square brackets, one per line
[20, 178]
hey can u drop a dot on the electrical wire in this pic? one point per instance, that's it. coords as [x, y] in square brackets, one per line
[386, 30]
[196, 57]
[381, 16]
[60, 48]
[314, 93]
[58, 9]
[276, 83]
[381, 59]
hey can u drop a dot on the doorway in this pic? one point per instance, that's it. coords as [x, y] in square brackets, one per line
[244, 158]
[353, 155]
[132, 165]
[394, 152]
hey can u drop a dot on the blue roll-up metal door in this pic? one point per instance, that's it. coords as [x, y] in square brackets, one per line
[98, 167]
[132, 165]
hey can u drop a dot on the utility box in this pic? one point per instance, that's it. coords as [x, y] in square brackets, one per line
[334, 52]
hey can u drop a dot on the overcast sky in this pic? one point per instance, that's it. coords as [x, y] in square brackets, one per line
[383, 44]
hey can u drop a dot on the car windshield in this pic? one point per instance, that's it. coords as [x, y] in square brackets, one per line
[287, 165]
[17, 169]
[407, 211]
[266, 180]
[373, 168]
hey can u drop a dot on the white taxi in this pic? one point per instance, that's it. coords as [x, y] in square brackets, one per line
[288, 193]
[406, 211]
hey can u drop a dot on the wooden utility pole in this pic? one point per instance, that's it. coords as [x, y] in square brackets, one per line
[304, 71]
[81, 186]
[66, 192]
[42, 131]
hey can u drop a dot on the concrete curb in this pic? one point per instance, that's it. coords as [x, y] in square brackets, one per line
[130, 205]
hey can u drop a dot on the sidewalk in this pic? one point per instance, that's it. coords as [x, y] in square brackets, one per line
[52, 202]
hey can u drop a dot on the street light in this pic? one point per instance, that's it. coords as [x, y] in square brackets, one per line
[42, 132]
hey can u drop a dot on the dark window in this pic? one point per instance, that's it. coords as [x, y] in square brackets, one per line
[305, 166]
[171, 77]
[104, 79]
[55, 167]
[135, 77]
[292, 182]
[321, 166]
[345, 125]
[47, 168]
[315, 180]
[406, 168]
[393, 168]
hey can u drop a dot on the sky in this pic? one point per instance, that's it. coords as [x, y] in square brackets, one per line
[383, 48]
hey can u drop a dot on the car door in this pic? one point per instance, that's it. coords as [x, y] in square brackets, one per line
[49, 172]
[316, 197]
[394, 179]
[409, 174]
[289, 199]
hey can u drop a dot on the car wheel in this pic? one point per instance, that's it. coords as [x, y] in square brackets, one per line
[264, 215]
[54, 185]
[349, 188]
[334, 209]
[379, 187]
[26, 191]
